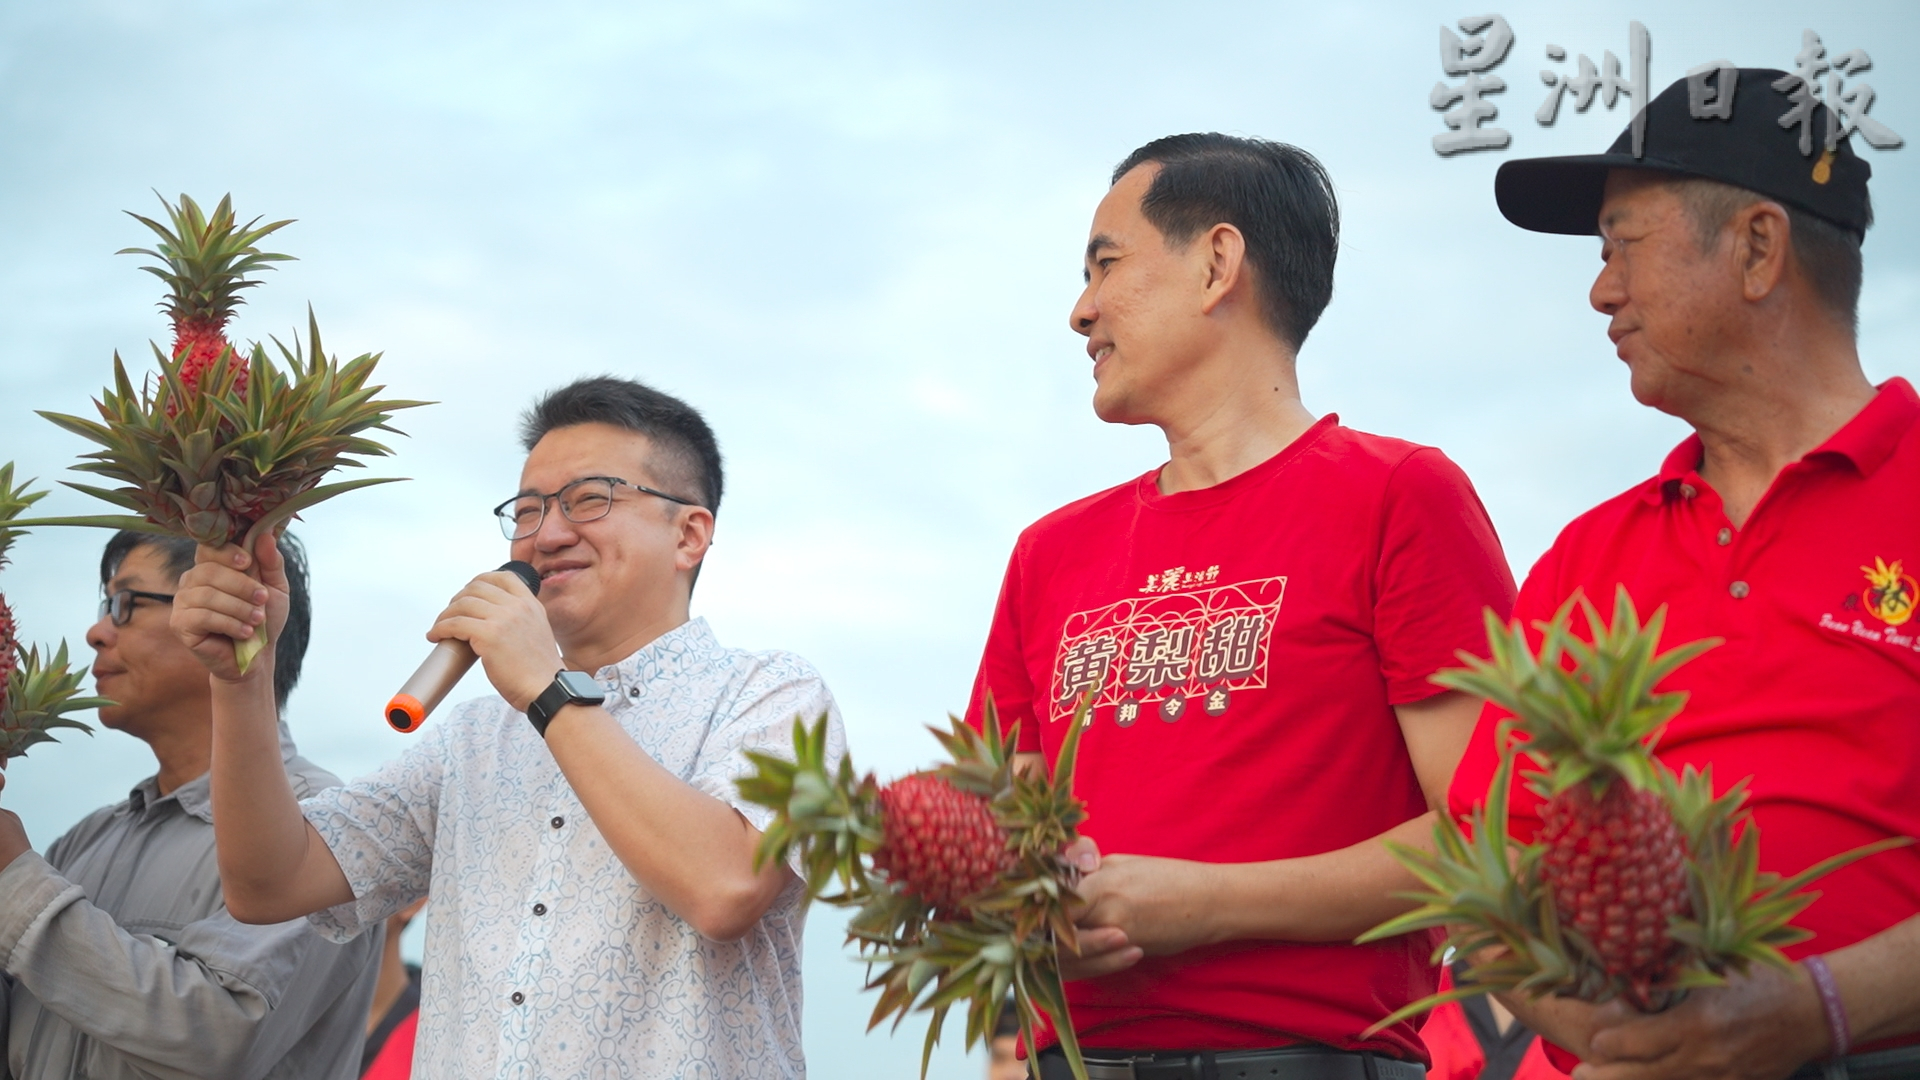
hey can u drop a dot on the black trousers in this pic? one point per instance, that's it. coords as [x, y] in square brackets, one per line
[1309, 1062]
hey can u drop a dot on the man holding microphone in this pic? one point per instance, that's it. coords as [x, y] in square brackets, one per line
[596, 906]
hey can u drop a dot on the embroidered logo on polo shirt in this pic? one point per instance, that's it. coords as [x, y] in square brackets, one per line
[1185, 642]
[1891, 592]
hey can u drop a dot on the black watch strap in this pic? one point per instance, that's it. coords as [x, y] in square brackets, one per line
[567, 688]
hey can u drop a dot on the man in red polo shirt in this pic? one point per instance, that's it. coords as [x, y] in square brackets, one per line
[1255, 622]
[1787, 525]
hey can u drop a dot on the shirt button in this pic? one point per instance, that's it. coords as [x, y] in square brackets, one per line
[1687, 491]
[1725, 537]
[557, 821]
[1739, 590]
[539, 909]
[634, 692]
[518, 998]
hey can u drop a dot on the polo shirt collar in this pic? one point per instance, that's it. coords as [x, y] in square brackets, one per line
[195, 797]
[1866, 441]
[1871, 437]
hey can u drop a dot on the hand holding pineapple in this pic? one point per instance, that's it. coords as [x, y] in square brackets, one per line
[13, 834]
[224, 598]
[1756, 1025]
[1135, 906]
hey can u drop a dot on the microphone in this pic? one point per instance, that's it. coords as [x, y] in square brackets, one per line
[449, 660]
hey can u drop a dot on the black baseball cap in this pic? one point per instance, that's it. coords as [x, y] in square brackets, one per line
[1748, 149]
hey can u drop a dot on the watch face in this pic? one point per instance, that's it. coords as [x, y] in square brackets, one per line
[579, 684]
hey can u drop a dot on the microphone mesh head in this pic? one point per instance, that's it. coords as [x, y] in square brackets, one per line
[527, 574]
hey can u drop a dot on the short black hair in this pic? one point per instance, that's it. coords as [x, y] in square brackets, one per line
[1279, 197]
[176, 554]
[686, 457]
[1828, 254]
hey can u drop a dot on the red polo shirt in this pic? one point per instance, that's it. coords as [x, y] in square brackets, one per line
[1816, 692]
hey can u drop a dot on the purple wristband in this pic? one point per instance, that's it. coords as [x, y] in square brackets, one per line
[1829, 992]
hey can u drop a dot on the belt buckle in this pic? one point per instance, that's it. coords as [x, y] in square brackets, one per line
[1111, 1069]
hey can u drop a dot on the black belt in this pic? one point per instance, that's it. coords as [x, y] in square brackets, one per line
[1900, 1063]
[1285, 1063]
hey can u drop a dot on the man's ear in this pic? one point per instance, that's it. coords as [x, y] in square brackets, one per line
[695, 537]
[1226, 264]
[1761, 247]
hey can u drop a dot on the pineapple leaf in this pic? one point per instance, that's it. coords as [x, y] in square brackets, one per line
[40, 691]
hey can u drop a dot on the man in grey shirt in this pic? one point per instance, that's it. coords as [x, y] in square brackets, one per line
[120, 958]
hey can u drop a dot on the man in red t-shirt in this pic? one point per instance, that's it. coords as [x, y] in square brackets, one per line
[1787, 525]
[1255, 623]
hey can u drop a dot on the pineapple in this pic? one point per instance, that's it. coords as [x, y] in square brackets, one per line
[36, 691]
[957, 872]
[13, 500]
[9, 645]
[1616, 868]
[206, 263]
[222, 444]
[940, 844]
[1614, 860]
[1640, 884]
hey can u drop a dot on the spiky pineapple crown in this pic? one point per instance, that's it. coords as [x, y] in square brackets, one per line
[37, 690]
[205, 260]
[14, 501]
[1592, 722]
[223, 445]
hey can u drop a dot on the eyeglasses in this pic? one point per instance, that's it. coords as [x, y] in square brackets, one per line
[119, 606]
[587, 499]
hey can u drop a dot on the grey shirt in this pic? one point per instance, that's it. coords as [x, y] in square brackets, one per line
[120, 958]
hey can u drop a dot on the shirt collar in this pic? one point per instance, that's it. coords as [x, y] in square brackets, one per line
[1873, 434]
[680, 651]
[195, 797]
[1866, 441]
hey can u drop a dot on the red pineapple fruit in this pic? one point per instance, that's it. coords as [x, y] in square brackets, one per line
[1617, 870]
[942, 845]
[9, 649]
[206, 260]
[13, 500]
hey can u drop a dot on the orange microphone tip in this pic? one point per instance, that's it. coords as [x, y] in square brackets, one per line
[405, 712]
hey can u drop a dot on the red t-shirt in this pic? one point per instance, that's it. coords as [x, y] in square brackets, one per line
[1248, 642]
[1816, 692]
[395, 1059]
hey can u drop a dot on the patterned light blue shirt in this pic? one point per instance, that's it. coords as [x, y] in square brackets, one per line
[544, 957]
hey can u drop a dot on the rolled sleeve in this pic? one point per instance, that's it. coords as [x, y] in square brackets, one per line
[781, 690]
[222, 999]
[381, 829]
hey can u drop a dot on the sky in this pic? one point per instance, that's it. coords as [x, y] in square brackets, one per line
[850, 234]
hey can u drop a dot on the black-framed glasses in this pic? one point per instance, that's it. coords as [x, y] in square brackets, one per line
[119, 606]
[589, 498]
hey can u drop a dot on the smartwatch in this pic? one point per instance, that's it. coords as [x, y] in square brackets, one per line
[567, 688]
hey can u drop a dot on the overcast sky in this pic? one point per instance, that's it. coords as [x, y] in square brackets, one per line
[851, 235]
